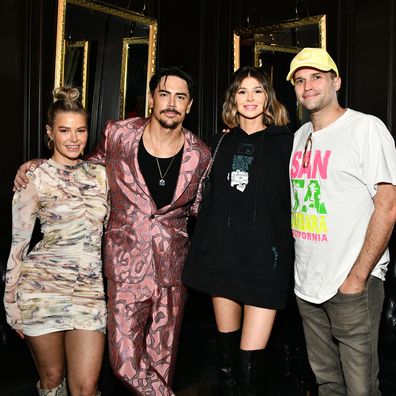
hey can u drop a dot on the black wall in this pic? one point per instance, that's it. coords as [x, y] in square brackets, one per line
[197, 35]
[26, 67]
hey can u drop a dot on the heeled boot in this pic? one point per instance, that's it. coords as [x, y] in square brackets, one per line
[253, 373]
[227, 351]
[60, 390]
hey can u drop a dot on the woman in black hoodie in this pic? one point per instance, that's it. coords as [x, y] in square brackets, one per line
[242, 248]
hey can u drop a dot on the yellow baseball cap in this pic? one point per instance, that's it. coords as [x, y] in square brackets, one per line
[318, 58]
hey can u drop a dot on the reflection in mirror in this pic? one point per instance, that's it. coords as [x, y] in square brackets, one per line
[272, 47]
[75, 67]
[292, 34]
[261, 50]
[134, 78]
[275, 61]
[104, 28]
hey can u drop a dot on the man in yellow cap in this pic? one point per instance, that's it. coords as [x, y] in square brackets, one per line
[343, 179]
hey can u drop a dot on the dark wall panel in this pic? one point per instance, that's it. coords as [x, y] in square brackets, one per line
[28, 48]
[370, 69]
[200, 38]
[215, 64]
[179, 43]
[12, 32]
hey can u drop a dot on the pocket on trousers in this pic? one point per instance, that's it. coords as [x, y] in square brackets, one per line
[354, 296]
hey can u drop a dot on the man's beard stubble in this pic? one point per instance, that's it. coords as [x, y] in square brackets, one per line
[170, 124]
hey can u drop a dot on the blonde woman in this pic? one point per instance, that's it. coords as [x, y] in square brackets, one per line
[54, 295]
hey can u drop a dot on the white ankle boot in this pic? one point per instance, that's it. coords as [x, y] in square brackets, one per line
[60, 390]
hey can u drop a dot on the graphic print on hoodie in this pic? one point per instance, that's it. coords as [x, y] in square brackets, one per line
[241, 163]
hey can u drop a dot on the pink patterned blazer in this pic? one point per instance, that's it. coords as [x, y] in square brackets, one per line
[138, 236]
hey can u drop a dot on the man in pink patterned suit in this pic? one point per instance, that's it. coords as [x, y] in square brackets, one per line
[154, 167]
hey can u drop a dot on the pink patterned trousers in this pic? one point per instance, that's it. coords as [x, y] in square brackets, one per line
[144, 323]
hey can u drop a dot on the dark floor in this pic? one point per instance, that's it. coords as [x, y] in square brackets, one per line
[19, 386]
[280, 390]
[18, 376]
[195, 368]
[196, 364]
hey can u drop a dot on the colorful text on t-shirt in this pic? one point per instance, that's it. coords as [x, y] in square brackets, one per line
[308, 209]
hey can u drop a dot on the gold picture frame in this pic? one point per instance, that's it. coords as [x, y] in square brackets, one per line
[134, 22]
[259, 48]
[133, 97]
[283, 36]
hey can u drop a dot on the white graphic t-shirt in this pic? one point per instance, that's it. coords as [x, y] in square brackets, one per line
[332, 199]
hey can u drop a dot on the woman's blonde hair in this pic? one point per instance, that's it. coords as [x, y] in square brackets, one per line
[66, 99]
[274, 112]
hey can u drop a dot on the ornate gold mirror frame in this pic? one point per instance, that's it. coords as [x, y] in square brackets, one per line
[260, 49]
[134, 80]
[272, 47]
[287, 36]
[138, 22]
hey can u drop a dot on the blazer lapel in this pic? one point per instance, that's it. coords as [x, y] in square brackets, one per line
[133, 154]
[188, 166]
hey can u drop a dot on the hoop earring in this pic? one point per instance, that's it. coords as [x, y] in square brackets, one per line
[50, 144]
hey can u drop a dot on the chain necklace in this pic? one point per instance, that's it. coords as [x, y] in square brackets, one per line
[161, 181]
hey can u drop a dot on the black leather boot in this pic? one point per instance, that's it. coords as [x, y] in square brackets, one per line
[227, 350]
[253, 373]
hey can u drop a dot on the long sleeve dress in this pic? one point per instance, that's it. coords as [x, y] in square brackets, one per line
[58, 285]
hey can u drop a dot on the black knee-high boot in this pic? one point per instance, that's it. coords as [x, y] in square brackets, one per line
[227, 350]
[253, 373]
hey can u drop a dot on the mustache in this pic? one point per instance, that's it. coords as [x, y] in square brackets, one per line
[170, 110]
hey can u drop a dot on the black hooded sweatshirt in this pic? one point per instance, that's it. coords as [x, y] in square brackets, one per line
[242, 245]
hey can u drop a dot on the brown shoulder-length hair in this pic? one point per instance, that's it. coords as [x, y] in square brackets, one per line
[274, 113]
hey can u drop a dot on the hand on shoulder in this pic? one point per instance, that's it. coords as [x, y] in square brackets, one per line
[21, 179]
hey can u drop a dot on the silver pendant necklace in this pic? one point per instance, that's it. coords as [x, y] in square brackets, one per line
[161, 181]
